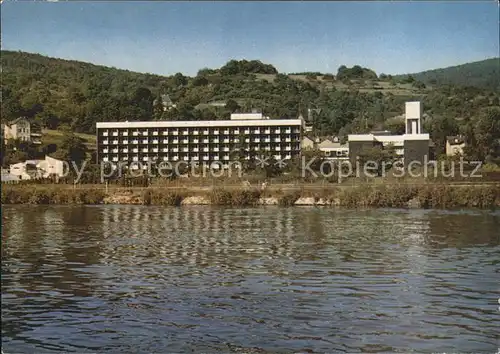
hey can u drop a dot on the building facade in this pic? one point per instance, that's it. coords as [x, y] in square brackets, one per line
[307, 143]
[20, 129]
[31, 169]
[455, 145]
[198, 141]
[411, 146]
[334, 150]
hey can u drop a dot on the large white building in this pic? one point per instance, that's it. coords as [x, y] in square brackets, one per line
[208, 142]
[411, 146]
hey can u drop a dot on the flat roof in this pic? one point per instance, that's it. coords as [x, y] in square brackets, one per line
[387, 138]
[200, 123]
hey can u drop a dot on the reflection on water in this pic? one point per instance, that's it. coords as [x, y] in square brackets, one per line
[147, 279]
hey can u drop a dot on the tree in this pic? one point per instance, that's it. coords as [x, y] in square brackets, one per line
[91, 173]
[142, 100]
[484, 142]
[179, 80]
[200, 80]
[440, 128]
[396, 126]
[206, 72]
[267, 164]
[383, 159]
[11, 107]
[47, 119]
[418, 84]
[12, 157]
[232, 106]
[29, 148]
[72, 148]
[158, 108]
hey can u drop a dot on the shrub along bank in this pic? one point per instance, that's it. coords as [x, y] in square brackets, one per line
[384, 196]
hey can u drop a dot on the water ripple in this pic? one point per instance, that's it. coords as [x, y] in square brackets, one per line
[123, 279]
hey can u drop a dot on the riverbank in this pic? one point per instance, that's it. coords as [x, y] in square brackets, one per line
[435, 196]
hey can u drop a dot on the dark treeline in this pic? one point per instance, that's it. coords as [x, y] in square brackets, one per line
[484, 74]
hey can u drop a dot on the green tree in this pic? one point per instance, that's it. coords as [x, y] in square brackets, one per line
[142, 100]
[267, 164]
[13, 156]
[418, 84]
[382, 159]
[47, 119]
[11, 107]
[72, 148]
[396, 126]
[232, 106]
[158, 108]
[179, 80]
[440, 128]
[200, 80]
[484, 140]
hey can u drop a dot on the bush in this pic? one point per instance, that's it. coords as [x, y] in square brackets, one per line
[162, 197]
[146, 197]
[241, 197]
[50, 195]
[289, 198]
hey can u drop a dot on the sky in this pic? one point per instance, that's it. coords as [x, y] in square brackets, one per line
[165, 37]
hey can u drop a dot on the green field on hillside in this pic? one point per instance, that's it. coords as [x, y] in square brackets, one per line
[56, 136]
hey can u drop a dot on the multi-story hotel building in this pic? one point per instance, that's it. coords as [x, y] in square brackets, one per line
[198, 141]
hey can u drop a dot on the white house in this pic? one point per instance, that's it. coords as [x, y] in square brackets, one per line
[334, 149]
[51, 167]
[20, 129]
[30, 169]
[166, 102]
[307, 143]
[455, 145]
[25, 170]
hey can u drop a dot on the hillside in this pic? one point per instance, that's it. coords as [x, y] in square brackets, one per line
[58, 94]
[482, 74]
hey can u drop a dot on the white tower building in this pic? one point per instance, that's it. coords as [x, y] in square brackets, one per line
[413, 117]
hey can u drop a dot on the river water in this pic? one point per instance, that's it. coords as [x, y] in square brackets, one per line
[134, 279]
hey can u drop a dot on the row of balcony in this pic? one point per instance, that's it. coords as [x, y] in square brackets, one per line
[181, 158]
[192, 150]
[196, 141]
[204, 132]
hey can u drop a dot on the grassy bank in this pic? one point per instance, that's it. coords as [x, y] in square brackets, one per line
[12, 194]
[382, 196]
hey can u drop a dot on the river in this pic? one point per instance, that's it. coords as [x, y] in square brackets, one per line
[134, 279]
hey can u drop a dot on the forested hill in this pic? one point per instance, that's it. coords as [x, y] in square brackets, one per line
[58, 94]
[483, 74]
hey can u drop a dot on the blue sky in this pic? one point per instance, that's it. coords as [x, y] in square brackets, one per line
[169, 37]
